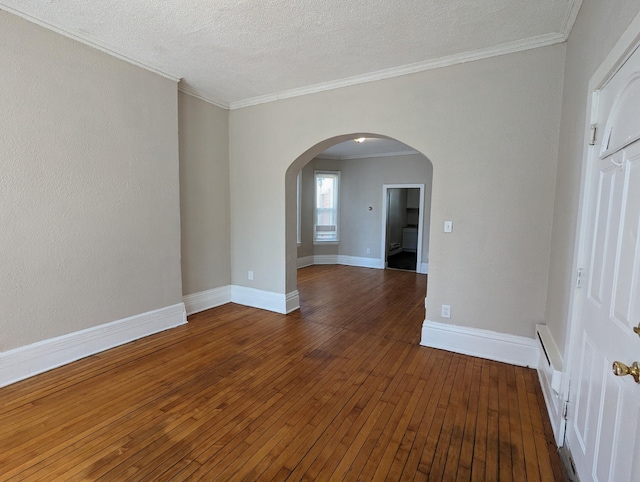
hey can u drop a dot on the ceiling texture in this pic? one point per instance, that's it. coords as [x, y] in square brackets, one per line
[236, 53]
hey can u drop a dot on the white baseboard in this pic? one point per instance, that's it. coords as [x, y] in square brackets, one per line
[516, 350]
[305, 261]
[360, 262]
[265, 300]
[345, 260]
[292, 301]
[550, 375]
[24, 362]
[341, 259]
[325, 259]
[204, 300]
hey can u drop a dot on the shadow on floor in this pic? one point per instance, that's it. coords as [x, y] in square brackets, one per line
[404, 260]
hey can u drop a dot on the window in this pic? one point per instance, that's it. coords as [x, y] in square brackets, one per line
[325, 226]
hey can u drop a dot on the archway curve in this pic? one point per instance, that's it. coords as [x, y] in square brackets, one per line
[291, 253]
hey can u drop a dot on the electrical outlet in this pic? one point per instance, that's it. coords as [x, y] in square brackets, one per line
[446, 311]
[368, 250]
[250, 275]
[448, 226]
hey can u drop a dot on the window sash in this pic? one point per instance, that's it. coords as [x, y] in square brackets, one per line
[325, 226]
[299, 208]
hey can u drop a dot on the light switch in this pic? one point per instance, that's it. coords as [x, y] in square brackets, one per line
[448, 226]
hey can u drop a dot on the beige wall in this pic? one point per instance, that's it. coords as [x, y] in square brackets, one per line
[204, 194]
[597, 29]
[89, 213]
[361, 182]
[89, 206]
[490, 129]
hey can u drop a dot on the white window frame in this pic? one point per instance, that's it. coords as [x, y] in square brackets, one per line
[335, 209]
[299, 209]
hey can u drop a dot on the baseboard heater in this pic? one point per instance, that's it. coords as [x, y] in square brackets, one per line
[550, 360]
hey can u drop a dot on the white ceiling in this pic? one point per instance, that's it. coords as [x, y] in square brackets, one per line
[242, 52]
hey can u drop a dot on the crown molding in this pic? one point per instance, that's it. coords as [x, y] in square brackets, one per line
[570, 19]
[88, 42]
[507, 48]
[185, 89]
[471, 56]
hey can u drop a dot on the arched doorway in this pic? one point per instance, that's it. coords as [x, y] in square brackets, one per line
[364, 171]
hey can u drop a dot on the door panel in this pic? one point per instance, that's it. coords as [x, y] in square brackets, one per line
[626, 278]
[611, 403]
[585, 391]
[601, 235]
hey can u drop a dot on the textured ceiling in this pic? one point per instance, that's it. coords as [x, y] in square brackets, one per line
[242, 52]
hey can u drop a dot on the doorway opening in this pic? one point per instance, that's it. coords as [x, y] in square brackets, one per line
[403, 230]
[366, 169]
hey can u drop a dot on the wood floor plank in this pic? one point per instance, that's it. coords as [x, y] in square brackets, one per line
[432, 395]
[456, 458]
[386, 388]
[411, 442]
[471, 419]
[448, 440]
[338, 390]
[528, 442]
[385, 428]
[515, 426]
[329, 397]
[492, 462]
[304, 442]
[505, 465]
[481, 435]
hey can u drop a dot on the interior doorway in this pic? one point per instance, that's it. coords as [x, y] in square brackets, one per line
[403, 227]
[366, 162]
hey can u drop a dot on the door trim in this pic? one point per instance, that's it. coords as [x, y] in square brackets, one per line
[383, 251]
[628, 42]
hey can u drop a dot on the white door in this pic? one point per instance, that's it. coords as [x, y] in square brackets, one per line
[604, 409]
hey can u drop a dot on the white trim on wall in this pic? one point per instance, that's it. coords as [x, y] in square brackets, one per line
[306, 261]
[86, 40]
[375, 263]
[265, 300]
[325, 259]
[516, 350]
[242, 295]
[506, 48]
[292, 301]
[208, 299]
[27, 361]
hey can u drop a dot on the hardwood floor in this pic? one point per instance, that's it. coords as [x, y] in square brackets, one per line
[339, 390]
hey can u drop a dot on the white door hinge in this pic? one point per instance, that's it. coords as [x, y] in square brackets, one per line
[592, 134]
[579, 277]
